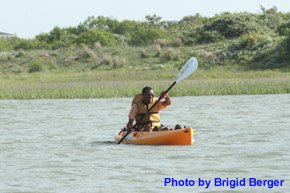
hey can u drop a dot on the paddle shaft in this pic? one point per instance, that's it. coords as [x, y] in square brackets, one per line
[128, 132]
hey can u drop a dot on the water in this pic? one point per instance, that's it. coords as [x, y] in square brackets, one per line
[67, 146]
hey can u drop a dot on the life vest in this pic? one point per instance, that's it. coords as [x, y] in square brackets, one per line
[150, 120]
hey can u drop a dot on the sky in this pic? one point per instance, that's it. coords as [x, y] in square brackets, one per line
[27, 18]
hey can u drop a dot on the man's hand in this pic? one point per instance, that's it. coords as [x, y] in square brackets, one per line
[164, 95]
[130, 124]
[129, 128]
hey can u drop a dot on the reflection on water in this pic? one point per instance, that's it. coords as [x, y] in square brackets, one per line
[68, 145]
[103, 143]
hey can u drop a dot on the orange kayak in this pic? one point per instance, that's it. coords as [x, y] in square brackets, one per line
[168, 137]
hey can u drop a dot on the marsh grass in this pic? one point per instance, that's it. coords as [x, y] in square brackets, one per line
[121, 83]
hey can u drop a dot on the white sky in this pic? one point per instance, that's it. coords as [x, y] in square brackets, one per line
[27, 18]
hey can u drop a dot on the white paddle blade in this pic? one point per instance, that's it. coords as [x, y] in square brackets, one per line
[190, 66]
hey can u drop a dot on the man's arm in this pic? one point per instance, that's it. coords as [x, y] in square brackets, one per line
[132, 115]
[166, 102]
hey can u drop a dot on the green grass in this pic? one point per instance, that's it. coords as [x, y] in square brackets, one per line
[126, 83]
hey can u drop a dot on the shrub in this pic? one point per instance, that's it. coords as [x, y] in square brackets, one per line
[193, 21]
[92, 36]
[207, 58]
[161, 42]
[105, 60]
[143, 54]
[188, 37]
[284, 29]
[30, 44]
[235, 25]
[4, 45]
[144, 35]
[19, 54]
[272, 17]
[208, 37]
[36, 66]
[88, 52]
[249, 40]
[177, 42]
[97, 45]
[57, 38]
[157, 49]
[118, 62]
[15, 43]
[287, 44]
[170, 54]
[201, 35]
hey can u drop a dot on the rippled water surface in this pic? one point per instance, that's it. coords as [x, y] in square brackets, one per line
[67, 146]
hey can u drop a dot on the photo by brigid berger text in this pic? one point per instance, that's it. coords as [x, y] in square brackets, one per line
[219, 182]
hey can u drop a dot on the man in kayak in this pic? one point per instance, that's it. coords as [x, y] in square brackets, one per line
[141, 105]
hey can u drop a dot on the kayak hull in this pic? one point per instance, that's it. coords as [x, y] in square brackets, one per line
[168, 137]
